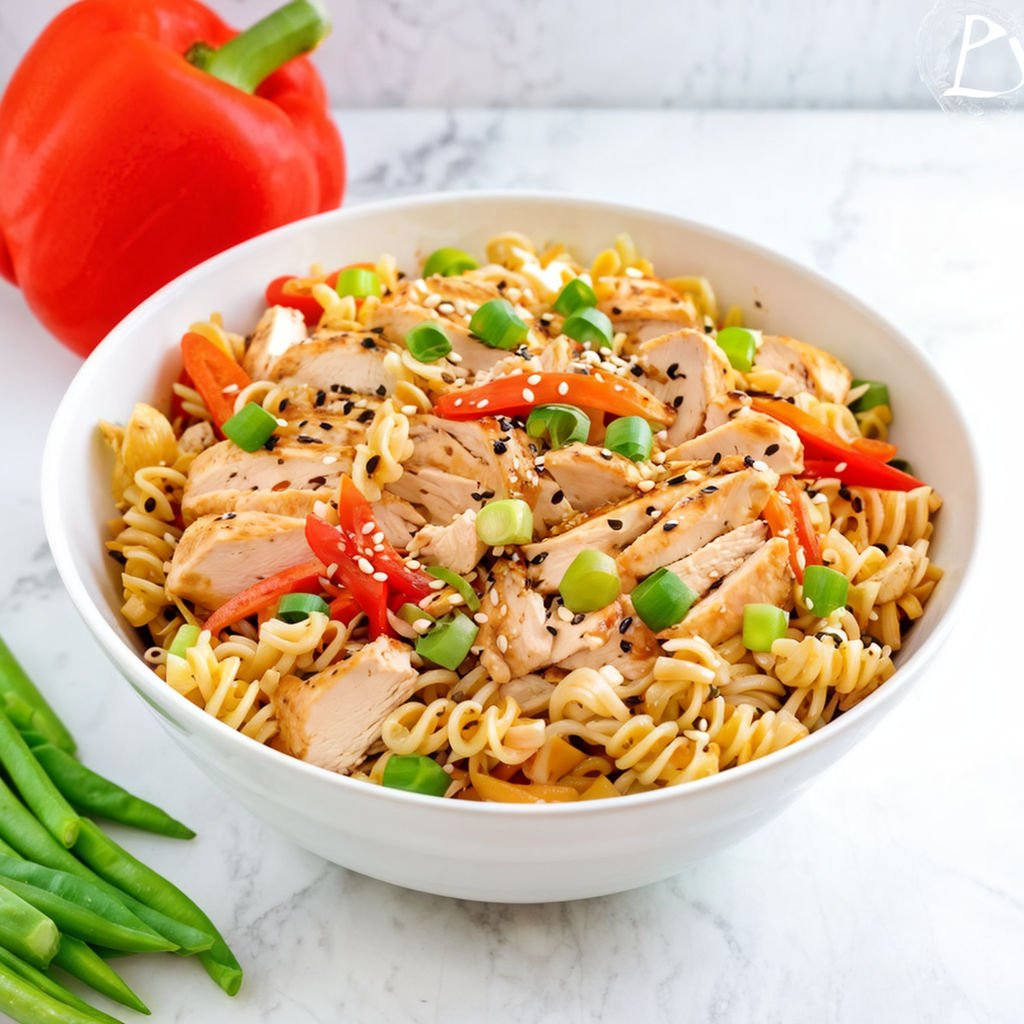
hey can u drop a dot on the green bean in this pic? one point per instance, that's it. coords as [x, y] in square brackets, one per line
[28, 1004]
[27, 720]
[85, 924]
[13, 680]
[36, 789]
[25, 931]
[120, 868]
[81, 962]
[50, 986]
[91, 793]
[21, 830]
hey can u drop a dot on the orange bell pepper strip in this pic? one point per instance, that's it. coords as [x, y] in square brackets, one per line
[487, 787]
[298, 579]
[216, 376]
[787, 518]
[805, 532]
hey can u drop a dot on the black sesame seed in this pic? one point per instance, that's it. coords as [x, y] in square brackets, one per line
[382, 390]
[708, 328]
[677, 480]
[488, 494]
[710, 489]
[476, 496]
[371, 464]
[150, 504]
[857, 504]
[716, 459]
[556, 498]
[771, 449]
[368, 343]
[625, 624]
[326, 426]
[117, 557]
[672, 371]
[625, 646]
[306, 439]
[606, 455]
[615, 524]
[677, 401]
[282, 405]
[637, 370]
[366, 416]
[537, 559]
[844, 493]
[552, 630]
[499, 447]
[748, 461]
[616, 311]
[376, 330]
[578, 618]
[321, 397]
[757, 303]
[347, 406]
[650, 510]
[229, 515]
[317, 481]
[670, 526]
[502, 285]
[302, 423]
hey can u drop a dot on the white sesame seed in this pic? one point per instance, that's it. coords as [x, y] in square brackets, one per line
[411, 410]
[618, 387]
[502, 643]
[592, 641]
[563, 388]
[633, 272]
[431, 301]
[483, 403]
[840, 467]
[365, 566]
[332, 569]
[492, 596]
[378, 537]
[645, 486]
[564, 614]
[329, 460]
[809, 603]
[446, 307]
[534, 378]
[759, 465]
[460, 307]
[437, 584]
[280, 422]
[414, 563]
[320, 509]
[456, 599]
[458, 402]
[546, 318]
[692, 474]
[454, 357]
[422, 625]
[380, 577]
[480, 619]
[606, 453]
[527, 395]
[229, 389]
[369, 527]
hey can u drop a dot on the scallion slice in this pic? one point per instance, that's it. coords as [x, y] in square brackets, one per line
[564, 424]
[739, 345]
[298, 607]
[186, 637]
[589, 325]
[591, 582]
[416, 773]
[358, 282]
[413, 613]
[507, 521]
[448, 643]
[575, 295]
[763, 624]
[662, 600]
[876, 393]
[495, 323]
[457, 583]
[427, 342]
[825, 589]
[903, 466]
[250, 428]
[448, 262]
[630, 436]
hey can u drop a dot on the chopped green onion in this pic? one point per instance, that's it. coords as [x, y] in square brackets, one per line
[589, 325]
[630, 436]
[415, 773]
[495, 323]
[461, 586]
[508, 521]
[876, 393]
[662, 600]
[575, 295]
[448, 262]
[590, 583]
[564, 424]
[298, 607]
[825, 589]
[903, 466]
[250, 428]
[763, 624]
[448, 643]
[186, 637]
[358, 282]
[413, 613]
[739, 345]
[427, 342]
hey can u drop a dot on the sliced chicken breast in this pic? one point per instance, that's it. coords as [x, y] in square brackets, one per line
[398, 519]
[724, 407]
[590, 477]
[750, 435]
[334, 361]
[514, 640]
[551, 507]
[455, 546]
[645, 309]
[332, 718]
[715, 560]
[278, 330]
[764, 578]
[613, 636]
[810, 367]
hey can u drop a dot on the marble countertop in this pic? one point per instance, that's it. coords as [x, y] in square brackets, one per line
[891, 891]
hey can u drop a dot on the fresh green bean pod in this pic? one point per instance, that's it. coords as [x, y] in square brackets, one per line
[14, 680]
[25, 931]
[36, 789]
[87, 925]
[92, 794]
[81, 962]
[50, 987]
[120, 868]
[28, 720]
[29, 1004]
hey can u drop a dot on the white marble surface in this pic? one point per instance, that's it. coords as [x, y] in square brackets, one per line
[683, 53]
[892, 891]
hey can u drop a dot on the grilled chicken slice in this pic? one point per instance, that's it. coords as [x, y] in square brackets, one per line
[613, 636]
[697, 518]
[288, 480]
[514, 639]
[711, 563]
[455, 546]
[646, 309]
[764, 578]
[724, 407]
[332, 718]
[344, 360]
[220, 556]
[609, 530]
[398, 519]
[278, 330]
[811, 368]
[686, 370]
[551, 506]
[750, 435]
[589, 477]
[460, 464]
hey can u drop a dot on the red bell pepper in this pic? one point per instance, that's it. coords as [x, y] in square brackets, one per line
[139, 137]
[874, 449]
[861, 474]
[215, 375]
[296, 292]
[805, 532]
[781, 523]
[298, 579]
[820, 442]
[516, 396]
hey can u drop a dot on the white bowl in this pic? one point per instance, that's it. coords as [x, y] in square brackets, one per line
[492, 851]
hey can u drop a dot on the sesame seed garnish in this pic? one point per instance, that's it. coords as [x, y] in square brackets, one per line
[380, 577]
[692, 475]
[437, 584]
[645, 486]
[414, 563]
[365, 566]
[229, 389]
[563, 388]
[492, 596]
[480, 619]
[502, 643]
[528, 395]
[534, 378]
[483, 403]
[410, 410]
[422, 625]
[771, 449]
[280, 422]
[431, 301]
[840, 467]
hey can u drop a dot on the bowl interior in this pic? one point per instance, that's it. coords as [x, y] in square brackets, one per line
[139, 359]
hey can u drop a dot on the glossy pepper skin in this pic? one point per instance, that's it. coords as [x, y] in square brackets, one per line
[122, 164]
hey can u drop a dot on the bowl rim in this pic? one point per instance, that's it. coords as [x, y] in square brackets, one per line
[170, 704]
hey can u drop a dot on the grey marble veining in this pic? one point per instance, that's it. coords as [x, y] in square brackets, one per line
[890, 892]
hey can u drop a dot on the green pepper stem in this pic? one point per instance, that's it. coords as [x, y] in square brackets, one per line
[252, 55]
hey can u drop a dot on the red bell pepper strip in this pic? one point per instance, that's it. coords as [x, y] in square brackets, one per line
[298, 578]
[212, 371]
[822, 443]
[515, 396]
[141, 137]
[781, 523]
[805, 532]
[281, 293]
[344, 608]
[875, 449]
[864, 474]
